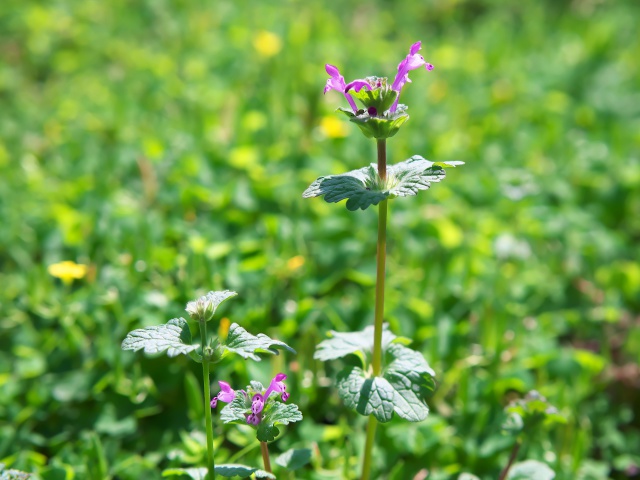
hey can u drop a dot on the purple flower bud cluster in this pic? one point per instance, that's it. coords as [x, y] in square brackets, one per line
[258, 401]
[411, 62]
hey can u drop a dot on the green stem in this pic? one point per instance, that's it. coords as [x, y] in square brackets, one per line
[265, 456]
[368, 447]
[512, 458]
[207, 401]
[376, 360]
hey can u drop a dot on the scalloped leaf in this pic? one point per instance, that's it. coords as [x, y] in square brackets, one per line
[343, 344]
[243, 343]
[401, 389]
[363, 188]
[174, 337]
[225, 470]
[531, 470]
[294, 459]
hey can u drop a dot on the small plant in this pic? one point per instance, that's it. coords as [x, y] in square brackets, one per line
[175, 338]
[391, 378]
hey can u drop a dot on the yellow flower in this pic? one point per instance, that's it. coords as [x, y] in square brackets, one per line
[331, 127]
[223, 328]
[267, 44]
[294, 263]
[67, 271]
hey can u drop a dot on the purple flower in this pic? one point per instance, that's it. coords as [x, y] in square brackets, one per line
[257, 403]
[277, 385]
[227, 394]
[411, 62]
[336, 82]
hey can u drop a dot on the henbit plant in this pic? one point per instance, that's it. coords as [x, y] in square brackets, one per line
[392, 377]
[175, 338]
[526, 418]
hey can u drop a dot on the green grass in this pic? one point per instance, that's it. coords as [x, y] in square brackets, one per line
[151, 141]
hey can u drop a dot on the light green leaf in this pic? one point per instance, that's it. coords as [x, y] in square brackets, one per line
[246, 345]
[236, 410]
[342, 344]
[278, 413]
[531, 470]
[294, 459]
[402, 388]
[363, 188]
[467, 476]
[225, 470]
[194, 473]
[174, 337]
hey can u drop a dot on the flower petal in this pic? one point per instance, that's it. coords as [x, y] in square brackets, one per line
[357, 85]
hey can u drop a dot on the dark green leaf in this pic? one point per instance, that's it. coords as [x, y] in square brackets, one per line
[363, 188]
[174, 337]
[401, 389]
[267, 433]
[246, 345]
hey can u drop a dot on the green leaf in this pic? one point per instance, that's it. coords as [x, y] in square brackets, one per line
[343, 344]
[401, 389]
[294, 459]
[467, 476]
[363, 188]
[224, 470]
[194, 473]
[530, 470]
[12, 474]
[281, 413]
[246, 345]
[174, 337]
[267, 433]
[236, 410]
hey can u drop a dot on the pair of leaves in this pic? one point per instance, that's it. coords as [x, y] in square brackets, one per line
[363, 188]
[406, 379]
[227, 470]
[274, 413]
[174, 338]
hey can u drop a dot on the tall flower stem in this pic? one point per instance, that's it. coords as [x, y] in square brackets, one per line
[376, 361]
[265, 456]
[512, 458]
[211, 465]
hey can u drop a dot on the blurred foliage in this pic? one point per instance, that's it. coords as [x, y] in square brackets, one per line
[166, 146]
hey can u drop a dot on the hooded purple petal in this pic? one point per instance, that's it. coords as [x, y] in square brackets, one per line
[410, 62]
[358, 85]
[336, 82]
[277, 385]
[227, 394]
[257, 403]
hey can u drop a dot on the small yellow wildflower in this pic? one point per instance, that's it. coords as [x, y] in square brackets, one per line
[295, 263]
[332, 127]
[267, 44]
[67, 271]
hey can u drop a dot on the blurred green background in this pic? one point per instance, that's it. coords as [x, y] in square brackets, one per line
[166, 145]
